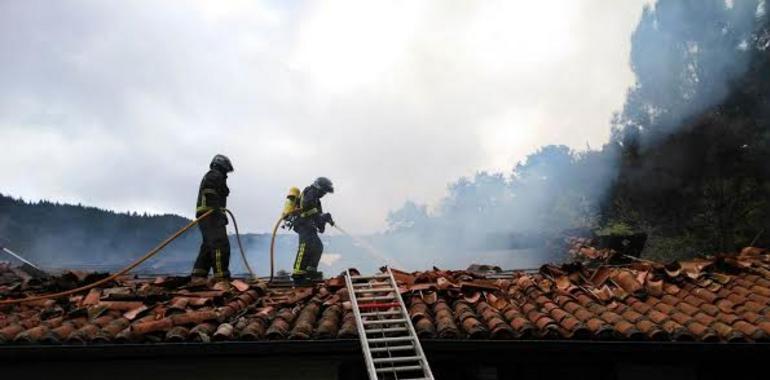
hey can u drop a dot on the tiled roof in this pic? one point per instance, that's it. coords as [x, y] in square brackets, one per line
[724, 298]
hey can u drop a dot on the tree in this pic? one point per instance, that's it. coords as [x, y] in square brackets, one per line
[685, 54]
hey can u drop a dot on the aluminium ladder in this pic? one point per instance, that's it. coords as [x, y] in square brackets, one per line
[390, 345]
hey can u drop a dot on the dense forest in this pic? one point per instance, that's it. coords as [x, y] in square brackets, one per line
[62, 235]
[686, 163]
[693, 148]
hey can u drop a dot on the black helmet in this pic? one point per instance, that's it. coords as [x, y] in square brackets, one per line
[221, 162]
[324, 184]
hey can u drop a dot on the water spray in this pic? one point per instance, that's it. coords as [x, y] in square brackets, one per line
[25, 261]
[369, 248]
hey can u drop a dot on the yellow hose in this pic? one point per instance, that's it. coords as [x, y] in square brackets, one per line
[272, 247]
[123, 271]
[240, 246]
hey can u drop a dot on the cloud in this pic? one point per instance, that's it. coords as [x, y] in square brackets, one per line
[121, 105]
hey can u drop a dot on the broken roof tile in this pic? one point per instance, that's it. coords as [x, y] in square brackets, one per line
[691, 300]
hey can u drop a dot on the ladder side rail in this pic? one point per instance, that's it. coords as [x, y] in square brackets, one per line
[409, 324]
[361, 331]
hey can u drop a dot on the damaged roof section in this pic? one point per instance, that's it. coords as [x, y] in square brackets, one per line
[720, 299]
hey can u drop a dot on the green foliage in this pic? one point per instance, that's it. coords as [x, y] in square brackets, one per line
[684, 54]
[615, 228]
[694, 135]
[665, 248]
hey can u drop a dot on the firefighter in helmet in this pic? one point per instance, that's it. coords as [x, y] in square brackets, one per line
[212, 195]
[308, 221]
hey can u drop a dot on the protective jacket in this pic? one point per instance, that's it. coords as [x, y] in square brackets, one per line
[212, 194]
[215, 248]
[310, 209]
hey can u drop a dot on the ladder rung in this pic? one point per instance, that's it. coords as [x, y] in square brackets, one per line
[400, 369]
[365, 284]
[379, 305]
[390, 339]
[376, 298]
[386, 330]
[384, 321]
[397, 359]
[390, 349]
[375, 290]
[374, 277]
[381, 313]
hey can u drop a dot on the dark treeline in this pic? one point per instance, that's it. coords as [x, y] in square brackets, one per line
[58, 235]
[687, 162]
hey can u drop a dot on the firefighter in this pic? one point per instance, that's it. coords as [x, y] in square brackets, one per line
[309, 221]
[215, 248]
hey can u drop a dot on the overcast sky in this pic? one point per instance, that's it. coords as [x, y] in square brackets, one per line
[122, 104]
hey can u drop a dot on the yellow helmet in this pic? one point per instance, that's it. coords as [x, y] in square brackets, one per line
[293, 192]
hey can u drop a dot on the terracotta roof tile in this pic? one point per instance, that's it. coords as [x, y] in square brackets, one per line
[710, 309]
[201, 332]
[600, 329]
[611, 317]
[759, 298]
[632, 316]
[677, 331]
[671, 300]
[83, 335]
[522, 327]
[178, 334]
[692, 300]
[583, 314]
[628, 330]
[303, 328]
[687, 308]
[425, 328]
[224, 331]
[652, 330]
[750, 330]
[348, 329]
[664, 308]
[330, 320]
[254, 330]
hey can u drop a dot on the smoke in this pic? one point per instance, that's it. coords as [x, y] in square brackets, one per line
[685, 55]
[505, 219]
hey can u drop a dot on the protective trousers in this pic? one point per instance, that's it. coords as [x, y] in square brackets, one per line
[309, 250]
[215, 249]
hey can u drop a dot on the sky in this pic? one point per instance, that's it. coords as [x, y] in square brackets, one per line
[122, 105]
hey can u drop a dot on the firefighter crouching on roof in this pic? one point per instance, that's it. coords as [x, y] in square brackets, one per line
[307, 221]
[215, 248]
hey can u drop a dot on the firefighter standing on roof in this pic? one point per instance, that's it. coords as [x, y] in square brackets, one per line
[212, 195]
[308, 222]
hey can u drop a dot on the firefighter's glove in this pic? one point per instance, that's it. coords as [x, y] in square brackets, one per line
[327, 218]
